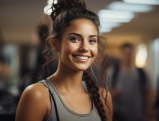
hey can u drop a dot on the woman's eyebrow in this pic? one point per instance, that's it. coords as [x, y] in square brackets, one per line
[93, 36]
[76, 34]
[81, 35]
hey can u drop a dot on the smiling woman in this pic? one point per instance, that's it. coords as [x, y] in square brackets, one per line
[79, 42]
[70, 94]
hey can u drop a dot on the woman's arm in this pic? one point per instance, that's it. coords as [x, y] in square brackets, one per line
[33, 105]
[108, 107]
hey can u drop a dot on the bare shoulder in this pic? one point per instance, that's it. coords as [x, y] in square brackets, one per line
[35, 92]
[106, 98]
[33, 105]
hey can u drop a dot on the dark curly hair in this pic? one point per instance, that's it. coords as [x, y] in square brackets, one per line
[64, 12]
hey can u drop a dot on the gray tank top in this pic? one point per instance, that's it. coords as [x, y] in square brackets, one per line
[65, 114]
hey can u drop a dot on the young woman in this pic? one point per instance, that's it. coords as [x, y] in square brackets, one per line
[70, 94]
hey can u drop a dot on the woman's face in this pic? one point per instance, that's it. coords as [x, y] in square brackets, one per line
[79, 47]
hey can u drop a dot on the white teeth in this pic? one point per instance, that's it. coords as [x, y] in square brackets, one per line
[81, 57]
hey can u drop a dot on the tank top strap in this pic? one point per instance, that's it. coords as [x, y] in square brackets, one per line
[49, 85]
[53, 102]
[44, 82]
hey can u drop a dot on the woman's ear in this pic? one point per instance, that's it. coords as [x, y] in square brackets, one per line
[55, 44]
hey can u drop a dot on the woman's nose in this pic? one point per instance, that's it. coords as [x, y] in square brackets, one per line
[84, 47]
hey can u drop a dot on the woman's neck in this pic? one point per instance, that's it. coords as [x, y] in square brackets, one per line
[67, 79]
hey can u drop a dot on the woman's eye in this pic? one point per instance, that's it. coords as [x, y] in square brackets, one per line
[92, 41]
[74, 39]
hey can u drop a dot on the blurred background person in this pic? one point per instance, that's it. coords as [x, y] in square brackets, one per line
[7, 100]
[42, 32]
[5, 71]
[129, 88]
[37, 71]
[157, 101]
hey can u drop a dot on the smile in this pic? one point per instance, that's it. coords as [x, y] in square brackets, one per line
[81, 58]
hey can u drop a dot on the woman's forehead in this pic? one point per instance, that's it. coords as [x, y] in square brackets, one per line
[83, 27]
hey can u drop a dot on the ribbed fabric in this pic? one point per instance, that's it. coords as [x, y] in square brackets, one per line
[65, 114]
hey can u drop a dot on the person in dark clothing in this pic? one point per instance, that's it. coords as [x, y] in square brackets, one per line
[157, 101]
[5, 70]
[38, 72]
[42, 32]
[129, 88]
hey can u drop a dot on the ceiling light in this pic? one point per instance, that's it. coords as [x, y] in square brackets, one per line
[49, 2]
[114, 14]
[115, 20]
[105, 30]
[47, 9]
[107, 27]
[110, 25]
[141, 55]
[117, 5]
[149, 2]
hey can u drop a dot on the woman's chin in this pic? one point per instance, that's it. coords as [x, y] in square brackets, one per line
[81, 68]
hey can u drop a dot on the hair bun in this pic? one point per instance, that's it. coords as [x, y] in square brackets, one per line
[63, 5]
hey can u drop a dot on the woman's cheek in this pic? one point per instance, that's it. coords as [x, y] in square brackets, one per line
[94, 51]
[69, 48]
